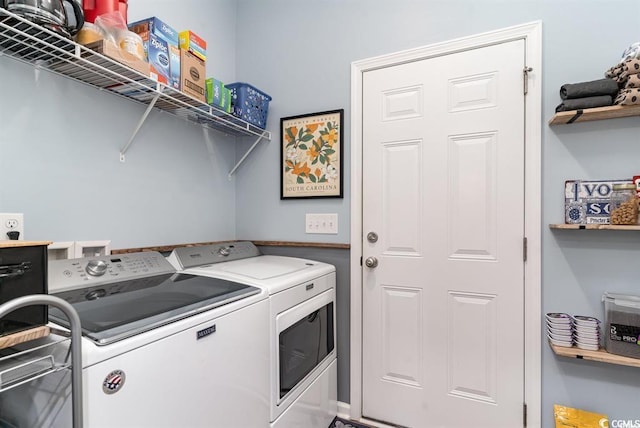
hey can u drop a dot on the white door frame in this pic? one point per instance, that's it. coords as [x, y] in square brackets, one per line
[531, 33]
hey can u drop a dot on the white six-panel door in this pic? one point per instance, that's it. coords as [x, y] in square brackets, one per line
[443, 189]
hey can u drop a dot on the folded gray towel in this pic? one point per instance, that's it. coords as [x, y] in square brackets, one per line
[588, 102]
[589, 89]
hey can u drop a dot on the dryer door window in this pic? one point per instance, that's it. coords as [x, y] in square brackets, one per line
[304, 345]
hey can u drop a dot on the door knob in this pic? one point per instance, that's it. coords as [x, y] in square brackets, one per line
[371, 262]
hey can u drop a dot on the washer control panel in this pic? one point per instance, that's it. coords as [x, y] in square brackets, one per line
[74, 273]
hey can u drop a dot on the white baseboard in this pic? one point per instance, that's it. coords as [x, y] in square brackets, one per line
[344, 410]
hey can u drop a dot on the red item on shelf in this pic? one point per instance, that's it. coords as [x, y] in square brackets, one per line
[94, 8]
[123, 7]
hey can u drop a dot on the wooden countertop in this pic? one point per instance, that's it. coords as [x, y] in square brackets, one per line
[14, 244]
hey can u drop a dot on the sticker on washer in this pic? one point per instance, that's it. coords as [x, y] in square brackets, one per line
[113, 382]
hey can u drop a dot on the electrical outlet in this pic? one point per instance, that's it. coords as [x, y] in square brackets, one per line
[321, 223]
[11, 222]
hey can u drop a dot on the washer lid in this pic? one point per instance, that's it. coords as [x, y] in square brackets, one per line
[271, 273]
[264, 267]
[122, 309]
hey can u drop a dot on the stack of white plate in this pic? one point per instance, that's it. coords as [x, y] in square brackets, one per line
[560, 329]
[586, 332]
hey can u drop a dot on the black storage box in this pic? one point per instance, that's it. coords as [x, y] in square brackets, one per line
[23, 272]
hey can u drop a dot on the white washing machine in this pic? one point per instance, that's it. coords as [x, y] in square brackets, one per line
[302, 330]
[159, 348]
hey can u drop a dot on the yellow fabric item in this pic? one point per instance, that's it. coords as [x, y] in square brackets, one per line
[568, 417]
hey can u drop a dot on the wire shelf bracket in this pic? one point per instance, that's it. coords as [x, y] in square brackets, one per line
[253, 146]
[140, 123]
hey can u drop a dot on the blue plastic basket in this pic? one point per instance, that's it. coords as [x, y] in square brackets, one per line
[249, 103]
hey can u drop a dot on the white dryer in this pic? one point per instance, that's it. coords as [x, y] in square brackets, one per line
[302, 330]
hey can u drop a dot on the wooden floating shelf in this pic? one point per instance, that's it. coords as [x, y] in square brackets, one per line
[600, 356]
[594, 227]
[597, 113]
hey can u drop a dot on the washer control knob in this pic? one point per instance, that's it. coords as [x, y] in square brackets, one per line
[224, 251]
[96, 267]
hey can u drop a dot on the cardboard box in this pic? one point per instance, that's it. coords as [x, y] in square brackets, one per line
[192, 75]
[158, 40]
[89, 33]
[193, 43]
[156, 27]
[218, 95]
[113, 51]
[587, 202]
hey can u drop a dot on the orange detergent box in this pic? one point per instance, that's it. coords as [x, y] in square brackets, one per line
[190, 41]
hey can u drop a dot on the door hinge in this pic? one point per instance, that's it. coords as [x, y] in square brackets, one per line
[524, 249]
[525, 74]
[524, 415]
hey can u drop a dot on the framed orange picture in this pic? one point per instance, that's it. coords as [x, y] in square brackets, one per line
[311, 155]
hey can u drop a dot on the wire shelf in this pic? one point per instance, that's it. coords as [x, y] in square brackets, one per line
[26, 362]
[33, 44]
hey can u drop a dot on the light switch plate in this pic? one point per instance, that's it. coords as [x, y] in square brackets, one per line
[321, 223]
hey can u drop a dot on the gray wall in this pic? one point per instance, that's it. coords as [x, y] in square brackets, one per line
[59, 144]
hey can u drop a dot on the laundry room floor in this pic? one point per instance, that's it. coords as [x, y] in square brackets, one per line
[342, 423]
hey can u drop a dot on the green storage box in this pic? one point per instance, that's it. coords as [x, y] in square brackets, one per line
[218, 95]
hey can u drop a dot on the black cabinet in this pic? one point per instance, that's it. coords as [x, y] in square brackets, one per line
[23, 272]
